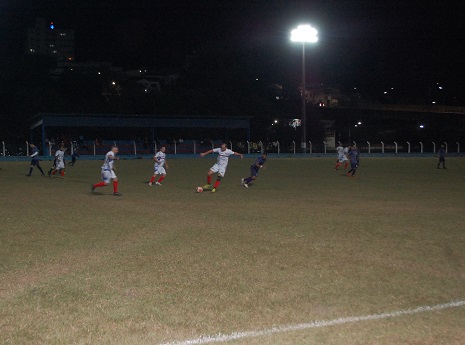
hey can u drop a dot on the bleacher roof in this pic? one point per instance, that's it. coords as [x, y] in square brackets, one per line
[138, 121]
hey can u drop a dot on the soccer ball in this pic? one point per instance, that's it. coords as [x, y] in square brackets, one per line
[199, 189]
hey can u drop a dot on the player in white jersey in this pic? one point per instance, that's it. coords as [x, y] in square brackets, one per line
[220, 166]
[59, 164]
[108, 172]
[159, 166]
[342, 157]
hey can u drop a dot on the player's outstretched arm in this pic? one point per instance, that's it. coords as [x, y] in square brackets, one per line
[239, 154]
[203, 154]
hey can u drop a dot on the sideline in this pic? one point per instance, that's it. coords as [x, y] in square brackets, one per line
[221, 338]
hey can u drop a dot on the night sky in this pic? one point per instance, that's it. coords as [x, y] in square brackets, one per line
[372, 43]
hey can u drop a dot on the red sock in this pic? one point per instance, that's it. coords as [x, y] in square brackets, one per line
[152, 179]
[345, 167]
[217, 183]
[337, 165]
[161, 178]
[115, 186]
[209, 179]
[100, 184]
[62, 173]
[54, 172]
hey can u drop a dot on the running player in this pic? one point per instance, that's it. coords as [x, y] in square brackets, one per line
[353, 156]
[341, 157]
[108, 172]
[254, 168]
[220, 166]
[59, 164]
[159, 166]
[35, 160]
[73, 157]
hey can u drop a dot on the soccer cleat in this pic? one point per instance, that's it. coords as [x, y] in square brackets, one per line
[150, 184]
[92, 188]
[214, 190]
[42, 174]
[207, 186]
[158, 183]
[117, 194]
[246, 185]
[242, 182]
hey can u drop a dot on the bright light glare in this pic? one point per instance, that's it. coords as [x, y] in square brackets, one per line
[422, 126]
[275, 121]
[359, 123]
[304, 33]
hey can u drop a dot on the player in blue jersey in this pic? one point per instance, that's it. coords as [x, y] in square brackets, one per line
[35, 160]
[354, 160]
[73, 157]
[442, 157]
[254, 168]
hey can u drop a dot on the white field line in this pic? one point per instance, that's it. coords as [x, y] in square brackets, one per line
[220, 338]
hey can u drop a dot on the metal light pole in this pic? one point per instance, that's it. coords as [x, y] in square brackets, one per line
[304, 103]
[303, 34]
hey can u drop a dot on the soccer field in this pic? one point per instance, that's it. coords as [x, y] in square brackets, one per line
[304, 244]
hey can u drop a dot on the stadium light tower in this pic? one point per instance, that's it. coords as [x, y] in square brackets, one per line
[304, 34]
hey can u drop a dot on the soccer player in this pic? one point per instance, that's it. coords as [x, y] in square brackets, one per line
[254, 168]
[59, 164]
[220, 166]
[442, 157]
[159, 166]
[108, 172]
[73, 157]
[35, 160]
[341, 157]
[353, 156]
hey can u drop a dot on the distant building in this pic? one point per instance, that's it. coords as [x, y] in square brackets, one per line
[46, 39]
[324, 96]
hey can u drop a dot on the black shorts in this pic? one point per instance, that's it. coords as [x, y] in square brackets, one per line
[253, 171]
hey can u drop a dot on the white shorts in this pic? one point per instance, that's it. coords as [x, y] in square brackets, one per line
[220, 169]
[342, 158]
[159, 170]
[60, 166]
[107, 175]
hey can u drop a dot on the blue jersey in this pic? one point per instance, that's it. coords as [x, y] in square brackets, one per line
[442, 153]
[259, 161]
[353, 156]
[35, 153]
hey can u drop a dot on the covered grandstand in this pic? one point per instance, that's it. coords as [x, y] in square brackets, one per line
[136, 134]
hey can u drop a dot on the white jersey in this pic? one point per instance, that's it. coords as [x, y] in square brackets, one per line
[342, 153]
[60, 159]
[223, 156]
[108, 163]
[160, 159]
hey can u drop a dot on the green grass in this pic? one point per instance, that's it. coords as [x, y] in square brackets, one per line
[303, 243]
